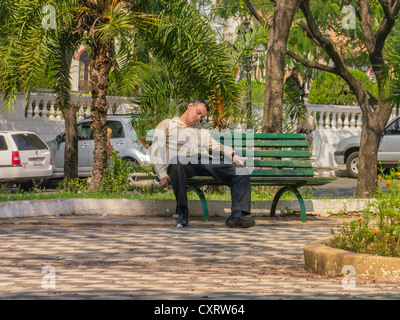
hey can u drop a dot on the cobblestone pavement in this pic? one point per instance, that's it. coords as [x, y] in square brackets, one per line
[143, 258]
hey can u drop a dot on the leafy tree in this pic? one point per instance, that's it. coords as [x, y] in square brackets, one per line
[29, 53]
[171, 30]
[373, 23]
[279, 23]
[277, 17]
[329, 88]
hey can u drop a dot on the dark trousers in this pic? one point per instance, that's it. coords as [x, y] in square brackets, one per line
[232, 175]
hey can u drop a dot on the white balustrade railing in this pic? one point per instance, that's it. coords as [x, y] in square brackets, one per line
[333, 117]
[43, 105]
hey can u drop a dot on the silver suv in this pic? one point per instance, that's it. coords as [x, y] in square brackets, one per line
[124, 140]
[388, 152]
[24, 157]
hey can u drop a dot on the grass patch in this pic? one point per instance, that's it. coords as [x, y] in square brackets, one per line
[220, 194]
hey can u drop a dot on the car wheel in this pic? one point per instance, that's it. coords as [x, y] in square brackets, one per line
[42, 183]
[36, 183]
[352, 164]
[26, 186]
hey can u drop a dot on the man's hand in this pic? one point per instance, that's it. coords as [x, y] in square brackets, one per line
[164, 182]
[238, 159]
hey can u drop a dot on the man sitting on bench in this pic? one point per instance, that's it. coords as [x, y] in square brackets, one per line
[182, 149]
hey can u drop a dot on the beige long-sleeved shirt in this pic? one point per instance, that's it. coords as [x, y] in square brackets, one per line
[174, 139]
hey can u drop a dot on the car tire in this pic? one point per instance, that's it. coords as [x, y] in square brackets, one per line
[39, 183]
[43, 183]
[352, 164]
[26, 186]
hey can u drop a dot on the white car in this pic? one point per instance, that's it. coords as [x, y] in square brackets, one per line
[388, 153]
[24, 157]
[124, 140]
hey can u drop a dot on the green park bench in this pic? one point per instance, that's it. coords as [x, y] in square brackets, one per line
[274, 159]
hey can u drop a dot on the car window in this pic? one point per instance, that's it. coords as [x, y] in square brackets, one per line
[394, 128]
[3, 144]
[28, 141]
[117, 129]
[84, 131]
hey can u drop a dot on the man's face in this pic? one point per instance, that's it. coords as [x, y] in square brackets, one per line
[294, 73]
[195, 113]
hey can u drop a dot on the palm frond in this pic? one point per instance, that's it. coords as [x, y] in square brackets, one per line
[245, 44]
[29, 48]
[190, 49]
[156, 103]
[393, 63]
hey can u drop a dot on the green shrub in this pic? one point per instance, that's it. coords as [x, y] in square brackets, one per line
[117, 173]
[377, 231]
[331, 89]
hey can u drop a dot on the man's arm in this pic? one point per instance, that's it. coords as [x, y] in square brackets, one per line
[238, 159]
[228, 151]
[158, 152]
[164, 182]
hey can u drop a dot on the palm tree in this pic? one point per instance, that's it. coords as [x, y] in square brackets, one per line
[27, 49]
[173, 32]
[393, 62]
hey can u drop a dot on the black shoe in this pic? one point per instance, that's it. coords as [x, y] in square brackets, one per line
[183, 220]
[238, 220]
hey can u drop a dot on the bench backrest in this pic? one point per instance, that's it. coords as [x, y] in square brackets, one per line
[268, 154]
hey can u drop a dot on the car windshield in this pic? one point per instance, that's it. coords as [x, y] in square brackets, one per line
[393, 128]
[28, 141]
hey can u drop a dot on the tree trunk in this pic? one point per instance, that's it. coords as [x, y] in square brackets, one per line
[71, 135]
[100, 67]
[71, 143]
[373, 127]
[279, 27]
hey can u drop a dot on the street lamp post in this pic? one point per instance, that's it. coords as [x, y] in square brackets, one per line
[248, 62]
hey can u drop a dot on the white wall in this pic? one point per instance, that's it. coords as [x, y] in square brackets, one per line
[42, 117]
[16, 120]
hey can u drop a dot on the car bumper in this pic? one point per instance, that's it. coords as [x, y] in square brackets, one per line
[16, 174]
[339, 157]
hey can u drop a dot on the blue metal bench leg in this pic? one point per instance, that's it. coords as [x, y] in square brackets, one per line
[279, 194]
[203, 200]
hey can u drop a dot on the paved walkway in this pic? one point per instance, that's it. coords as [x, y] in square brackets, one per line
[149, 258]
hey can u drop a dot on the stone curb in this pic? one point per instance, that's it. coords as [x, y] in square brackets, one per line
[322, 259]
[165, 208]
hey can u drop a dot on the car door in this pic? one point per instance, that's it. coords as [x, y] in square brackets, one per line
[389, 148]
[58, 152]
[85, 147]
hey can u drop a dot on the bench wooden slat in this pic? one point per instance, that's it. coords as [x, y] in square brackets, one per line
[276, 153]
[266, 143]
[283, 173]
[237, 136]
[262, 136]
[281, 143]
[281, 164]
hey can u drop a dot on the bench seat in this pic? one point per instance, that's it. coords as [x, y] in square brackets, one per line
[274, 159]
